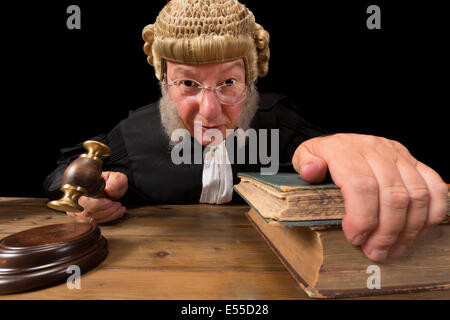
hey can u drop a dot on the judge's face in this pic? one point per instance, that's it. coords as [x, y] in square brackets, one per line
[205, 110]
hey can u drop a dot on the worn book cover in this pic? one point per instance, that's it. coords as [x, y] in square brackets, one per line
[325, 265]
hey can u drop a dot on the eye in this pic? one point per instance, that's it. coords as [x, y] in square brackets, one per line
[188, 83]
[229, 82]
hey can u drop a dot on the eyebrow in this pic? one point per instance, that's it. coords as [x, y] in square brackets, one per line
[185, 72]
[193, 74]
[234, 65]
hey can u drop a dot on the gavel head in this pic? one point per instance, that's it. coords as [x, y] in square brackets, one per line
[83, 177]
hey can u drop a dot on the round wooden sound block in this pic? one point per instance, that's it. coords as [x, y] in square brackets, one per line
[40, 257]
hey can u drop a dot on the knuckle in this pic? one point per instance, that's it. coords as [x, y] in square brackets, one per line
[384, 240]
[87, 206]
[110, 209]
[372, 141]
[98, 204]
[364, 185]
[83, 201]
[440, 197]
[416, 224]
[363, 222]
[359, 224]
[398, 146]
[441, 189]
[307, 146]
[396, 197]
[395, 143]
[409, 235]
[340, 139]
[105, 201]
[434, 220]
[420, 196]
[340, 136]
[368, 224]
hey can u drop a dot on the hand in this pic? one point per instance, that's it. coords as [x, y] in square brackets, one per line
[104, 209]
[390, 197]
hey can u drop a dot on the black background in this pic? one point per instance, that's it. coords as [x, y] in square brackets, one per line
[61, 86]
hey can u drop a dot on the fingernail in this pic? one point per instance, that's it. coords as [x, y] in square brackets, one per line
[359, 239]
[378, 255]
[397, 251]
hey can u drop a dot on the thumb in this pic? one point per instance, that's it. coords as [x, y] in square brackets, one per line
[116, 184]
[310, 167]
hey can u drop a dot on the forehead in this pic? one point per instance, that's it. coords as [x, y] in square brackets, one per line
[235, 65]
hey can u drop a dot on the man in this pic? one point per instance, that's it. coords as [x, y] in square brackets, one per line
[207, 56]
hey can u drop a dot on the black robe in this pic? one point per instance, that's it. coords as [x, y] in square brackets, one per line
[141, 150]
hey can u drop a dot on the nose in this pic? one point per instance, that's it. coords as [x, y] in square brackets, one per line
[210, 107]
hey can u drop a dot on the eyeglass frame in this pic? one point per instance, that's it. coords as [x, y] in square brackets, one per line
[203, 88]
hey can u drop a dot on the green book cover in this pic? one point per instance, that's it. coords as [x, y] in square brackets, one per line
[286, 182]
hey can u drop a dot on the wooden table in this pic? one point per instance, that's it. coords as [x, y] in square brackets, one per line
[173, 252]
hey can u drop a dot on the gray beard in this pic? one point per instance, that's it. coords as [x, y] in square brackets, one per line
[171, 120]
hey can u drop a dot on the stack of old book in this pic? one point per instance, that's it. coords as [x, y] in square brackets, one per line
[301, 223]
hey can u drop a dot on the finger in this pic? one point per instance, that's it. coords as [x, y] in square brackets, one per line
[417, 211]
[114, 215]
[351, 173]
[359, 188]
[101, 214]
[310, 167]
[80, 216]
[393, 204]
[94, 204]
[105, 175]
[85, 220]
[438, 192]
[77, 215]
[116, 185]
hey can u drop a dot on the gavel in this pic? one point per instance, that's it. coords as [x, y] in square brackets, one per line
[83, 177]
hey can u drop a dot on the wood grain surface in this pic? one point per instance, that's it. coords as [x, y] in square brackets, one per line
[173, 252]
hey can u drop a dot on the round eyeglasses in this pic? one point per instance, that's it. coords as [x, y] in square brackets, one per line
[231, 92]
